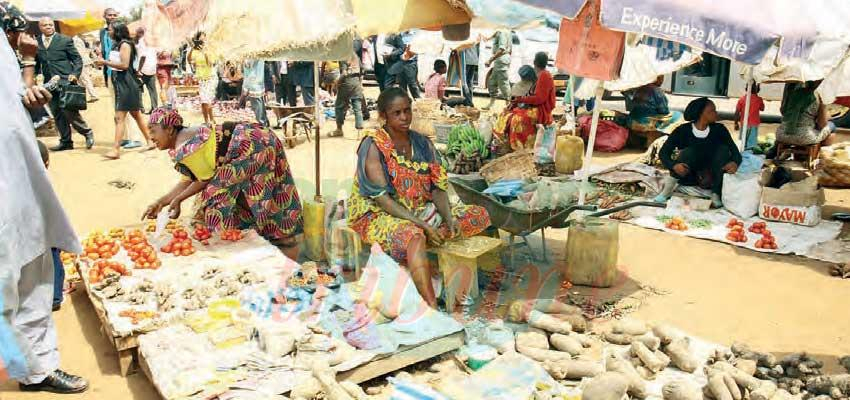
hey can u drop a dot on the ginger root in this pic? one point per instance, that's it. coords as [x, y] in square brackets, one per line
[566, 343]
[680, 354]
[606, 386]
[681, 390]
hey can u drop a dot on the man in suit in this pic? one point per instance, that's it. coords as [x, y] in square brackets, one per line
[109, 16]
[57, 56]
[403, 63]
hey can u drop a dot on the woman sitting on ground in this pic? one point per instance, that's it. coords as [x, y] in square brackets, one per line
[805, 120]
[399, 198]
[518, 123]
[648, 111]
[699, 153]
[240, 172]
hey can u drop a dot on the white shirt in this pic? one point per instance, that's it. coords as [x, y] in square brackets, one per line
[700, 134]
[149, 53]
[31, 218]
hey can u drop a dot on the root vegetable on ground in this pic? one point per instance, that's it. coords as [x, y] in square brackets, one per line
[637, 386]
[618, 338]
[532, 338]
[717, 386]
[748, 366]
[578, 322]
[734, 390]
[566, 343]
[519, 310]
[548, 323]
[630, 326]
[680, 354]
[555, 370]
[681, 390]
[665, 333]
[578, 369]
[741, 350]
[541, 355]
[648, 357]
[606, 386]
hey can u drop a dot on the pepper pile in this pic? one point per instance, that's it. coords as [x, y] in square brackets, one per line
[140, 251]
[103, 268]
[98, 246]
[736, 231]
[767, 241]
[180, 244]
[232, 235]
[202, 234]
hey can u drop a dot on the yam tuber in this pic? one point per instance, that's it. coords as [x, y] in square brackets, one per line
[617, 338]
[665, 333]
[647, 357]
[577, 321]
[630, 326]
[555, 370]
[566, 343]
[680, 354]
[548, 323]
[578, 369]
[532, 338]
[541, 355]
[651, 341]
[717, 386]
[637, 386]
[606, 386]
[681, 390]
[734, 390]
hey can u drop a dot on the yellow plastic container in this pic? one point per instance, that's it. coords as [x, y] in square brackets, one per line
[568, 154]
[592, 248]
[314, 230]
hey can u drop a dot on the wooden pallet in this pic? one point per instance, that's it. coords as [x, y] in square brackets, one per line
[125, 346]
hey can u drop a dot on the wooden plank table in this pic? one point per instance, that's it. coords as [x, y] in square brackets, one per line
[125, 346]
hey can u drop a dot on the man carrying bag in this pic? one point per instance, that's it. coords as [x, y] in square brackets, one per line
[58, 57]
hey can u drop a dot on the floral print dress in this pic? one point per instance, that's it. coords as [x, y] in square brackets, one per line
[249, 181]
[411, 182]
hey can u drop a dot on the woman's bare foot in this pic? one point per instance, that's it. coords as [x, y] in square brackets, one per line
[113, 155]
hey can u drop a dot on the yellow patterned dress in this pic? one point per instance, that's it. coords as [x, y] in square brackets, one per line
[410, 184]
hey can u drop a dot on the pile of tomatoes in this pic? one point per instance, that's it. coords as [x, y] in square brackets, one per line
[736, 231]
[180, 244]
[103, 268]
[202, 234]
[767, 241]
[233, 235]
[140, 251]
[676, 224]
[98, 247]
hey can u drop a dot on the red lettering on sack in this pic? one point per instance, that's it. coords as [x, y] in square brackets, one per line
[799, 217]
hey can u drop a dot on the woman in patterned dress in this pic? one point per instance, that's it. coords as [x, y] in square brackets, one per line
[399, 199]
[241, 173]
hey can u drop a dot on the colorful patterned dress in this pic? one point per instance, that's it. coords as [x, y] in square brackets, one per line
[410, 184]
[249, 181]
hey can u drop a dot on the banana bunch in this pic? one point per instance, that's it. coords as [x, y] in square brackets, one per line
[465, 140]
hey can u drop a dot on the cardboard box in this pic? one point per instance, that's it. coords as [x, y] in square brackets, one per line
[797, 202]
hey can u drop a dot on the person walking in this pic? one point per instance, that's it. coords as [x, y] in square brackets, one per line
[203, 66]
[147, 67]
[404, 68]
[86, 75]
[30, 351]
[109, 16]
[253, 88]
[303, 75]
[284, 90]
[498, 83]
[350, 90]
[128, 91]
[57, 57]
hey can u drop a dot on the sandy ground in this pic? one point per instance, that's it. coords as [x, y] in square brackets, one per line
[721, 293]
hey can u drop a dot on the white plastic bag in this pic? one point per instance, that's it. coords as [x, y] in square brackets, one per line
[544, 144]
[742, 194]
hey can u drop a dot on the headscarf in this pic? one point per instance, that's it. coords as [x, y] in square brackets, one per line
[695, 108]
[798, 97]
[165, 116]
[527, 73]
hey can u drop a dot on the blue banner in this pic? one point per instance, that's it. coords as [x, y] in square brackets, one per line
[674, 21]
[567, 8]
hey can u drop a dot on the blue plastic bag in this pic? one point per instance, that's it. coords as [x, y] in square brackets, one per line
[750, 163]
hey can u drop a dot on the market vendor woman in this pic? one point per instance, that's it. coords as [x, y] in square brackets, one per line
[240, 172]
[399, 199]
[700, 152]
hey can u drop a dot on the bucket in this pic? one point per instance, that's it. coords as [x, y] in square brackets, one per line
[592, 247]
[314, 230]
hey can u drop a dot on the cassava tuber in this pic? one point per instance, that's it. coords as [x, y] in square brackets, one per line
[630, 326]
[519, 310]
[578, 369]
[680, 355]
[644, 372]
[681, 390]
[578, 322]
[548, 323]
[651, 341]
[717, 386]
[647, 357]
[617, 338]
[637, 386]
[665, 333]
[566, 343]
[532, 338]
[555, 370]
[583, 339]
[542, 355]
[606, 386]
[734, 390]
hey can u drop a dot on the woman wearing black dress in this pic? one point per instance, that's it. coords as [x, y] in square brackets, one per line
[128, 90]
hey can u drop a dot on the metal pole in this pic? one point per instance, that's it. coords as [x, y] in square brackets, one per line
[318, 127]
[591, 141]
[746, 115]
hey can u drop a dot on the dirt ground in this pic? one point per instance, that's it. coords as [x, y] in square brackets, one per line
[718, 292]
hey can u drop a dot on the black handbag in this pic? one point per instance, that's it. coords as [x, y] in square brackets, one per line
[72, 97]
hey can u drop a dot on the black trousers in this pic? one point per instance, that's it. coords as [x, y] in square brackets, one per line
[285, 92]
[381, 76]
[65, 119]
[705, 167]
[407, 80]
[471, 76]
[149, 82]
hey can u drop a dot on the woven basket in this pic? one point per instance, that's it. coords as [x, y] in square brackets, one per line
[517, 165]
[834, 166]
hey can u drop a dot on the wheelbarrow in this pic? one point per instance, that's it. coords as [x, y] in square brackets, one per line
[521, 222]
[294, 121]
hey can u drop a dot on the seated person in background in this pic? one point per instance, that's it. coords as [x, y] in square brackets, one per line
[435, 86]
[519, 121]
[648, 111]
[804, 116]
[399, 199]
[699, 153]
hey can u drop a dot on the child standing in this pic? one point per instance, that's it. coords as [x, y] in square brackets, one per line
[58, 268]
[756, 107]
[435, 86]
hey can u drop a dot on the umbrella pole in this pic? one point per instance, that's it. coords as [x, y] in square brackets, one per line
[318, 128]
[746, 115]
[591, 141]
[572, 93]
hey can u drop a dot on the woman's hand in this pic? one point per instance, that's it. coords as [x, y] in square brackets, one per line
[153, 210]
[454, 228]
[99, 62]
[681, 169]
[730, 168]
[433, 235]
[174, 208]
